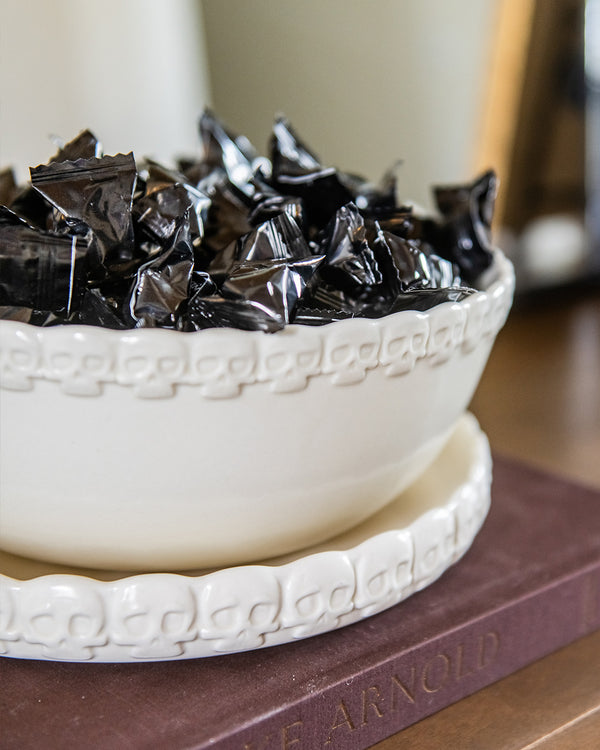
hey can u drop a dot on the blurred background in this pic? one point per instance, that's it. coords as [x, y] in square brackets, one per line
[449, 87]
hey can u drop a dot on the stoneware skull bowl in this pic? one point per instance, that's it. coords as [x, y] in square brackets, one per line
[152, 449]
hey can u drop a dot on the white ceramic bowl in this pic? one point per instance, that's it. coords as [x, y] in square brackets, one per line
[156, 450]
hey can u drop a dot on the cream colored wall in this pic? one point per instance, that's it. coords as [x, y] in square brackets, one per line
[364, 81]
[134, 71]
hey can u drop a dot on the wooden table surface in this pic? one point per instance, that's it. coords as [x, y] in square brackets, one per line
[538, 401]
[539, 398]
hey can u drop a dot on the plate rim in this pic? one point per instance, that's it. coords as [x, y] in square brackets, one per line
[164, 616]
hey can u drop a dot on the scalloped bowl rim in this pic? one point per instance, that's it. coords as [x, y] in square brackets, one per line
[501, 268]
[131, 357]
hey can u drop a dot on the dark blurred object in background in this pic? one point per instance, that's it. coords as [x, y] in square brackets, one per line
[550, 222]
[592, 79]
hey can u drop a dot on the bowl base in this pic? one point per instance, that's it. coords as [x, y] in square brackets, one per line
[53, 612]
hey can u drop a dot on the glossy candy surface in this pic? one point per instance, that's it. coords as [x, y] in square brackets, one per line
[231, 239]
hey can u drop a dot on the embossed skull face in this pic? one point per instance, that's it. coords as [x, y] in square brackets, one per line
[433, 537]
[239, 606]
[80, 361]
[66, 619]
[383, 567]
[404, 340]
[470, 511]
[478, 310]
[350, 350]
[447, 324]
[289, 358]
[317, 593]
[151, 362]
[19, 357]
[154, 615]
[7, 611]
[222, 361]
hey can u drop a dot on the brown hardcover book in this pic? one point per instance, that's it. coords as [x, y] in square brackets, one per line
[529, 585]
[553, 704]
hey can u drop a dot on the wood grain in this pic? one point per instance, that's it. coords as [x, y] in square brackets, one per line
[539, 398]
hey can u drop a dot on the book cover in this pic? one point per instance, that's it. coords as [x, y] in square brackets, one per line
[552, 704]
[529, 585]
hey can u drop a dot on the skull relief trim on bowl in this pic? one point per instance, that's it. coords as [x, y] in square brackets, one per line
[222, 362]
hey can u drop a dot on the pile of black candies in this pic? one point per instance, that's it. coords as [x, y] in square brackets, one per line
[230, 239]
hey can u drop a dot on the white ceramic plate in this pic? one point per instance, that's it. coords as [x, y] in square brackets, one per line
[57, 613]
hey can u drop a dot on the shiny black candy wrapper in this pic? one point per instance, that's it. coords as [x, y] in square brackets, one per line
[275, 239]
[289, 156]
[217, 312]
[464, 234]
[40, 270]
[98, 192]
[409, 264]
[349, 261]
[161, 285]
[230, 239]
[85, 145]
[39, 318]
[297, 172]
[224, 150]
[275, 286]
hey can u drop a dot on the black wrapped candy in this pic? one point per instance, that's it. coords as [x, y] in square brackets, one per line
[40, 270]
[349, 261]
[230, 239]
[273, 287]
[162, 284]
[275, 239]
[464, 234]
[99, 193]
[85, 145]
[297, 172]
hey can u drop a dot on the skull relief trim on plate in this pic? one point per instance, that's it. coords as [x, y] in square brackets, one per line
[239, 607]
[434, 538]
[8, 631]
[154, 615]
[317, 593]
[470, 513]
[170, 616]
[69, 623]
[384, 566]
